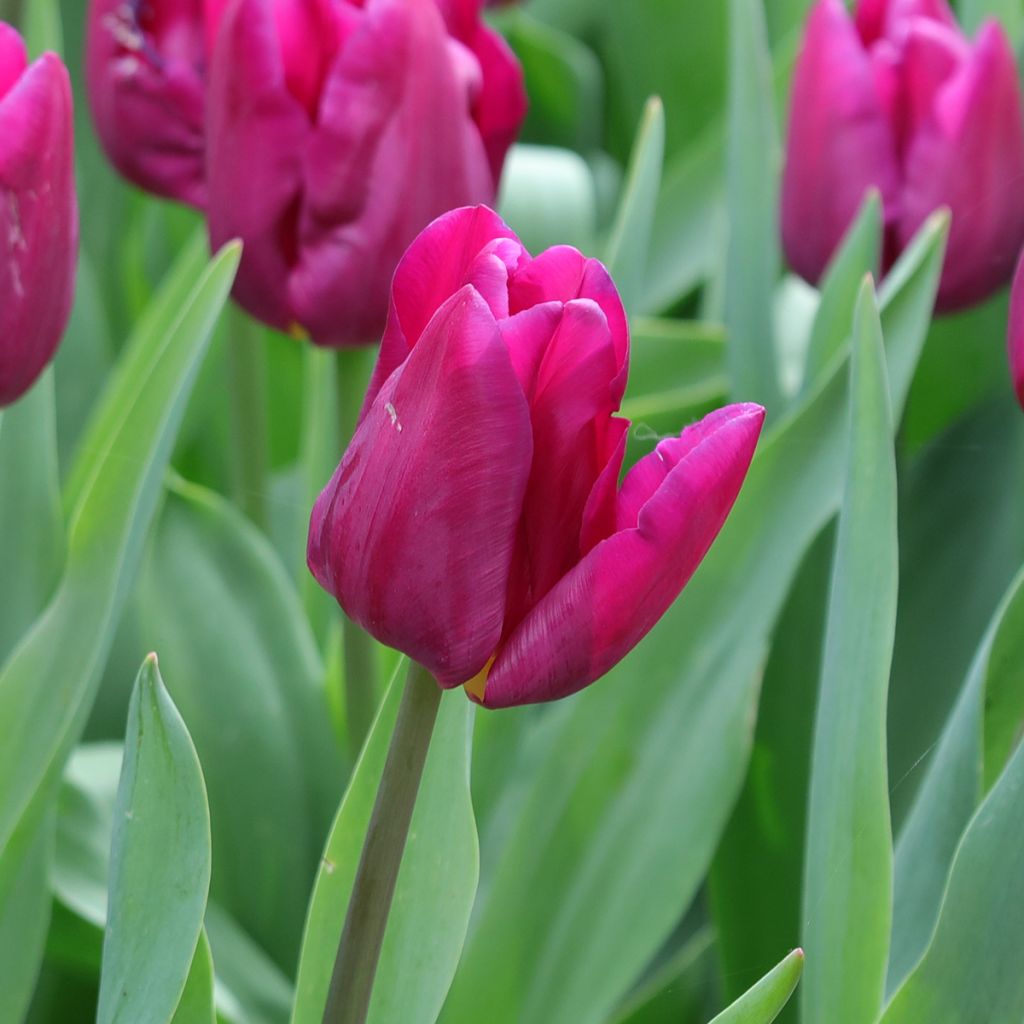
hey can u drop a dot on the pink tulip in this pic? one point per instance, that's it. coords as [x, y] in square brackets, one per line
[1015, 339]
[898, 99]
[338, 129]
[38, 212]
[146, 80]
[476, 522]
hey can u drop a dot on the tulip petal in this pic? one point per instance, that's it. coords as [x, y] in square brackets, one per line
[13, 58]
[394, 147]
[969, 156]
[602, 609]
[502, 103]
[1015, 334]
[414, 533]
[257, 133]
[878, 18]
[840, 142]
[38, 223]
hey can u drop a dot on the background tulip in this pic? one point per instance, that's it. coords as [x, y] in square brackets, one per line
[475, 521]
[1015, 339]
[38, 212]
[898, 99]
[146, 80]
[338, 130]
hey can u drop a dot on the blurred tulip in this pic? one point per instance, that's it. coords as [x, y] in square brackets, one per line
[475, 521]
[899, 99]
[38, 212]
[1015, 339]
[146, 81]
[338, 130]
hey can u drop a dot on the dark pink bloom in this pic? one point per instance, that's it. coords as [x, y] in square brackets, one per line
[898, 99]
[38, 213]
[1015, 338]
[338, 130]
[476, 521]
[146, 83]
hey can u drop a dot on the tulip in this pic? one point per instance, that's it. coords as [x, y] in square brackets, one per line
[475, 521]
[38, 212]
[1015, 338]
[898, 99]
[338, 129]
[146, 84]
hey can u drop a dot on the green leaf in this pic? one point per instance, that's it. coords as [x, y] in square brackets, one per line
[1009, 12]
[1003, 721]
[971, 971]
[48, 684]
[847, 904]
[436, 883]
[274, 776]
[765, 1001]
[196, 1003]
[42, 27]
[620, 793]
[629, 243]
[752, 165]
[159, 862]
[859, 254]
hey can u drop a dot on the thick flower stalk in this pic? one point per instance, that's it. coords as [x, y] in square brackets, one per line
[898, 99]
[338, 129]
[146, 84]
[38, 212]
[475, 521]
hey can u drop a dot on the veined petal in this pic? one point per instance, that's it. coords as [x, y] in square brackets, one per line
[414, 533]
[602, 609]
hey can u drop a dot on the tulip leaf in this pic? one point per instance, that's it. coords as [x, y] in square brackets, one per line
[48, 684]
[621, 793]
[971, 971]
[276, 773]
[954, 783]
[765, 1001]
[859, 254]
[436, 882]
[629, 243]
[196, 1005]
[847, 899]
[159, 863]
[752, 169]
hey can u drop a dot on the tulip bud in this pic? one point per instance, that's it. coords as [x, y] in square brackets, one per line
[337, 130]
[475, 521]
[38, 212]
[898, 99]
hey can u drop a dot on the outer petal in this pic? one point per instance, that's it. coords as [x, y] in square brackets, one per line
[414, 533]
[877, 18]
[13, 58]
[969, 156]
[257, 133]
[603, 608]
[146, 93]
[395, 146]
[435, 266]
[38, 223]
[840, 142]
[1015, 335]
[501, 106]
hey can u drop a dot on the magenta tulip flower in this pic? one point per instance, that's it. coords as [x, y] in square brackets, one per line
[899, 100]
[1015, 338]
[476, 522]
[146, 83]
[38, 213]
[338, 129]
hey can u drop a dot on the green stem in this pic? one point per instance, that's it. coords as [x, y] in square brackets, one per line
[348, 999]
[358, 651]
[247, 373]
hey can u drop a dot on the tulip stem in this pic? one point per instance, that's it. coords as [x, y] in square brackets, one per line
[360, 663]
[348, 999]
[247, 374]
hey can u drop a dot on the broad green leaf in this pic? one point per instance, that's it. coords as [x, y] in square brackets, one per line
[618, 796]
[764, 1002]
[971, 971]
[48, 684]
[953, 785]
[752, 166]
[859, 254]
[274, 776]
[159, 863]
[436, 883]
[847, 900]
[196, 1003]
[629, 243]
